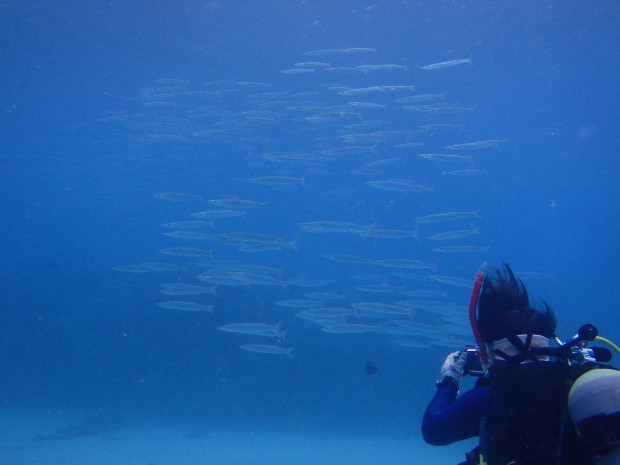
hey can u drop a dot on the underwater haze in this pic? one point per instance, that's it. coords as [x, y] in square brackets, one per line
[255, 225]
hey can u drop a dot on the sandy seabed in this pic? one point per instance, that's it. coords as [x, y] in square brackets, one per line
[53, 440]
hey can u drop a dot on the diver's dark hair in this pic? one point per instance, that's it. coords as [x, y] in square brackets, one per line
[504, 309]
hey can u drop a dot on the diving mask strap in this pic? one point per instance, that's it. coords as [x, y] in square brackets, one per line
[521, 348]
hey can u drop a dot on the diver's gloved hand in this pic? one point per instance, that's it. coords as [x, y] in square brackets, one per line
[453, 367]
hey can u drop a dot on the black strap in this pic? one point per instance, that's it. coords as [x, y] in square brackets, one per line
[524, 348]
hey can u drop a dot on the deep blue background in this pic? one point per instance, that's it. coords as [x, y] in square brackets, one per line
[77, 192]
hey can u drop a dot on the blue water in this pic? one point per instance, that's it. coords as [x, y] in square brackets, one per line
[106, 104]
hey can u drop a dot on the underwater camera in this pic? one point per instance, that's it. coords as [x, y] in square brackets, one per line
[473, 366]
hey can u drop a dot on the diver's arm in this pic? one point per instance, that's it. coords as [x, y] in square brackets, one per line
[449, 418]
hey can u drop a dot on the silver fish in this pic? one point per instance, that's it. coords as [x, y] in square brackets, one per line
[191, 235]
[447, 216]
[454, 234]
[452, 280]
[217, 214]
[480, 144]
[348, 328]
[399, 185]
[186, 306]
[444, 157]
[189, 224]
[237, 203]
[267, 349]
[447, 64]
[381, 308]
[404, 263]
[388, 67]
[187, 252]
[461, 249]
[277, 181]
[256, 329]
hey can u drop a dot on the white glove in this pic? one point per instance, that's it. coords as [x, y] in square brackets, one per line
[454, 366]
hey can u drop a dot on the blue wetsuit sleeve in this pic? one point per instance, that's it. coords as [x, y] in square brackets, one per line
[449, 418]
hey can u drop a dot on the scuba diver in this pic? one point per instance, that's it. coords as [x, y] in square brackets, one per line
[533, 403]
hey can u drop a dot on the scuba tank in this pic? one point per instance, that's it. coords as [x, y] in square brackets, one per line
[594, 408]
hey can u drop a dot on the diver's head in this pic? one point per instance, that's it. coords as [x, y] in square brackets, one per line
[504, 309]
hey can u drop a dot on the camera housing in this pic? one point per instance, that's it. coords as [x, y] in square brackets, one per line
[473, 366]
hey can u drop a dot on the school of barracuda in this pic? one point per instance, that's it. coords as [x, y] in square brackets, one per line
[356, 133]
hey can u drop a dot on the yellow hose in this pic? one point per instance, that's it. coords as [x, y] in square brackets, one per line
[608, 342]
